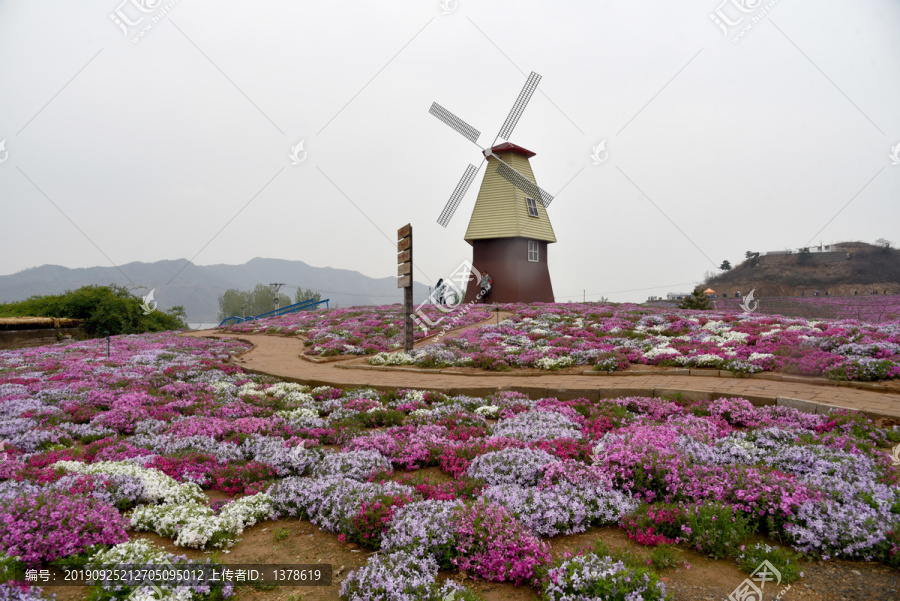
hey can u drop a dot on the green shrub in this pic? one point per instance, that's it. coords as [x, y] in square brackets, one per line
[113, 309]
[716, 529]
[663, 557]
[784, 560]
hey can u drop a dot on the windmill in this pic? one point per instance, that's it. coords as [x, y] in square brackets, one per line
[509, 229]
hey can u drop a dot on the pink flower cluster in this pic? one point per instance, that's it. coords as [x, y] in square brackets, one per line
[47, 526]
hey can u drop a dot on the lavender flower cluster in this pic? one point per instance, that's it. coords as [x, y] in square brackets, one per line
[329, 502]
[537, 424]
[523, 467]
[356, 465]
[562, 509]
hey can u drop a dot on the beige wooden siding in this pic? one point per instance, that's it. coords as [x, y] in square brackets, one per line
[500, 210]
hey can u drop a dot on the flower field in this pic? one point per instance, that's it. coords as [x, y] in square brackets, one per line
[357, 330]
[872, 308]
[612, 337]
[100, 450]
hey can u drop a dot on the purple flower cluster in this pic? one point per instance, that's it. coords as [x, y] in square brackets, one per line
[356, 465]
[537, 424]
[510, 466]
[562, 509]
[47, 526]
[328, 502]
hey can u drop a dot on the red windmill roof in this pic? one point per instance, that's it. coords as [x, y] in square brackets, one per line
[510, 147]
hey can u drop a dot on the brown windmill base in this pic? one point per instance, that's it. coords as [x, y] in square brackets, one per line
[516, 279]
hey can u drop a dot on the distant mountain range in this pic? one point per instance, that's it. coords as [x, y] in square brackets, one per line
[197, 288]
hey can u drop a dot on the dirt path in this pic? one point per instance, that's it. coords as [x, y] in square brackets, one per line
[280, 356]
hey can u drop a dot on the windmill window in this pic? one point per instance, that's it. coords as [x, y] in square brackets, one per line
[532, 207]
[533, 251]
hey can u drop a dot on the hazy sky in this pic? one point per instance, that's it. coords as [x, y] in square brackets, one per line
[121, 148]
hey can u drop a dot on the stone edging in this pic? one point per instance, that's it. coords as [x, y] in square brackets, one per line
[707, 373]
[595, 394]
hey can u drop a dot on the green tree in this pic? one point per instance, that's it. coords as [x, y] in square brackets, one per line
[753, 257]
[884, 245]
[725, 266]
[304, 295]
[804, 255]
[113, 309]
[697, 301]
[234, 302]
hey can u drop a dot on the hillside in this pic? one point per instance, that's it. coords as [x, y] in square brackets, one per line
[868, 268]
[197, 288]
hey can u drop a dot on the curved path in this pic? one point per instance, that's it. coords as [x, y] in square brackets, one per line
[281, 356]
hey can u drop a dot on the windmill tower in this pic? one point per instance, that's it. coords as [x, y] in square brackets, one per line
[509, 229]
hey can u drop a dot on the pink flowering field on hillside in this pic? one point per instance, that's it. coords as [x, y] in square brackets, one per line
[356, 330]
[100, 450]
[612, 337]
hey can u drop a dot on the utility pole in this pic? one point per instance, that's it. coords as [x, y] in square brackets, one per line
[275, 287]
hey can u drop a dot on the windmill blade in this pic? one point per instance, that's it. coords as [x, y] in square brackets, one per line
[519, 107]
[455, 122]
[524, 184]
[458, 194]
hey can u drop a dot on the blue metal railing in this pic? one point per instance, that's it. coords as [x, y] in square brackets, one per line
[310, 304]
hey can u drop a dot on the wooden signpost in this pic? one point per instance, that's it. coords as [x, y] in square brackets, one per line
[404, 280]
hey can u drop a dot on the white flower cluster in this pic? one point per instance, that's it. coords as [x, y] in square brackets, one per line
[391, 359]
[732, 336]
[221, 386]
[489, 411]
[715, 326]
[554, 363]
[193, 523]
[138, 551]
[660, 350]
[411, 396]
[157, 485]
[758, 356]
[249, 389]
[701, 360]
[282, 389]
[303, 417]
